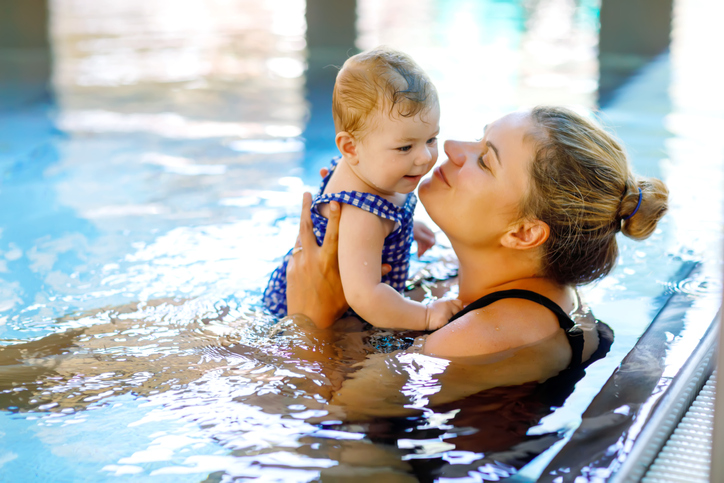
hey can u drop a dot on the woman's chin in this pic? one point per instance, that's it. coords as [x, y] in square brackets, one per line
[426, 196]
[423, 190]
[424, 185]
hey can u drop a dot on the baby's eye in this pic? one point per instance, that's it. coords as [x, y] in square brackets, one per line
[404, 149]
[432, 140]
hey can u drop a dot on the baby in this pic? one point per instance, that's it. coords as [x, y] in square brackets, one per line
[386, 115]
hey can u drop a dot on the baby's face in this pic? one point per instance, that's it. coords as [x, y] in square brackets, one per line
[398, 151]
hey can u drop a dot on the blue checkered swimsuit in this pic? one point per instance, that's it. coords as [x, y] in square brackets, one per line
[395, 252]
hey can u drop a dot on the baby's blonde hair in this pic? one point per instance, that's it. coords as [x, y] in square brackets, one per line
[381, 78]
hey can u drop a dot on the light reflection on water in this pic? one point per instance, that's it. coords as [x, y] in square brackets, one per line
[171, 169]
[225, 377]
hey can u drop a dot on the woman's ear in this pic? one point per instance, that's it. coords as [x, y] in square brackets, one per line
[347, 145]
[527, 234]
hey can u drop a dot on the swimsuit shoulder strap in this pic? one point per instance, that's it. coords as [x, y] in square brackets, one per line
[374, 204]
[573, 332]
[332, 166]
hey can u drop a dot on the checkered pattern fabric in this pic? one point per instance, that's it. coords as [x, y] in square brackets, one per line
[395, 252]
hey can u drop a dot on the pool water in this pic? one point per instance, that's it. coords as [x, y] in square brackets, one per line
[149, 192]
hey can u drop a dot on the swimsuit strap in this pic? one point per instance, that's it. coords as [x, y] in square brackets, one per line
[377, 205]
[573, 332]
[325, 180]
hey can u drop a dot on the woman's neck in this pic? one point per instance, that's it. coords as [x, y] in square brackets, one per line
[485, 270]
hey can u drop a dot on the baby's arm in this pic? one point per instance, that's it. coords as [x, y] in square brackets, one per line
[361, 240]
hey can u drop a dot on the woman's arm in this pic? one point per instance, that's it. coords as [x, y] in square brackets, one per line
[313, 284]
[361, 239]
[314, 288]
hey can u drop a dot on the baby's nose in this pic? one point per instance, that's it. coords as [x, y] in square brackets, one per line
[425, 157]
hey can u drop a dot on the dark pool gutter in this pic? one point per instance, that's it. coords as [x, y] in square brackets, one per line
[631, 418]
[670, 410]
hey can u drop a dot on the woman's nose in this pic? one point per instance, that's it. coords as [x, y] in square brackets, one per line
[454, 151]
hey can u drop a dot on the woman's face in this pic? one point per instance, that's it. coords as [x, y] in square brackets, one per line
[475, 196]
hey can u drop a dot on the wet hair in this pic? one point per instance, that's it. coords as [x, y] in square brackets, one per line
[583, 188]
[381, 78]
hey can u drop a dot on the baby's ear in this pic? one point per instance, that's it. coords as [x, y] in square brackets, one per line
[347, 145]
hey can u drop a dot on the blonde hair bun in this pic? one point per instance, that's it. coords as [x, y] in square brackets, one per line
[654, 204]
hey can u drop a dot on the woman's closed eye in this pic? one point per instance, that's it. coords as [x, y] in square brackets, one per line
[482, 163]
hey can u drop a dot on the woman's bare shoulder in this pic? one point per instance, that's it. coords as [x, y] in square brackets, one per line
[502, 325]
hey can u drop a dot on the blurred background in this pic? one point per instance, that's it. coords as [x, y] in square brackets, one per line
[155, 149]
[123, 121]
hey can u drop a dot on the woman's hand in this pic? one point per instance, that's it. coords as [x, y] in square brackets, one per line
[314, 287]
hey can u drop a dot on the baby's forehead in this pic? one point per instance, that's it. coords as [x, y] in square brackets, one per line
[394, 124]
[428, 112]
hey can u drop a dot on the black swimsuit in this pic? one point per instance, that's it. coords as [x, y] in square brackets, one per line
[573, 332]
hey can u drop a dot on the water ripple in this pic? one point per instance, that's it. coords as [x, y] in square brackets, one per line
[693, 286]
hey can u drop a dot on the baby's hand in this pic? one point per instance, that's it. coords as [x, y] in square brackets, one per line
[424, 237]
[439, 312]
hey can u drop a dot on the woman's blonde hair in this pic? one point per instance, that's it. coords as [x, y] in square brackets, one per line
[583, 188]
[377, 79]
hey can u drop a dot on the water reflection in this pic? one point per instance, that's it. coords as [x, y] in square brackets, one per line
[280, 395]
[630, 37]
[25, 58]
[105, 43]
[331, 35]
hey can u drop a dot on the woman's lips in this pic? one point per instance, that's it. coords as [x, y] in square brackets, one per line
[438, 172]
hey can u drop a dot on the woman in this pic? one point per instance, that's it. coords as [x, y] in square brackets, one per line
[533, 207]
